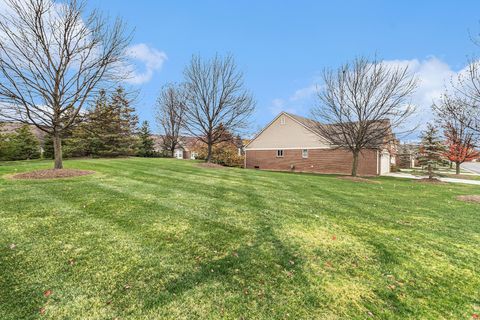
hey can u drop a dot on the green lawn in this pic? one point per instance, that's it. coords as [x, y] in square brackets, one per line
[166, 239]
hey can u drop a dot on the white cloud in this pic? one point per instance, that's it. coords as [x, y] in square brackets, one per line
[299, 102]
[434, 77]
[304, 93]
[143, 60]
[146, 58]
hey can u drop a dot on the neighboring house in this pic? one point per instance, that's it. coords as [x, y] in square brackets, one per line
[407, 155]
[289, 143]
[187, 148]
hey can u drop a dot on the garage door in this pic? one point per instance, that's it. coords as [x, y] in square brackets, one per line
[385, 163]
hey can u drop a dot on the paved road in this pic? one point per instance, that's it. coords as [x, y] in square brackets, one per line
[472, 166]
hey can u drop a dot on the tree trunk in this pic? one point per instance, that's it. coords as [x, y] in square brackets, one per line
[209, 154]
[355, 163]
[457, 167]
[57, 150]
[172, 151]
[430, 171]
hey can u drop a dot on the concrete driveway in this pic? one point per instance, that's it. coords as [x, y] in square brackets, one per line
[472, 166]
[453, 180]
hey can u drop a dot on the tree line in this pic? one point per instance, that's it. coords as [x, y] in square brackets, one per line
[54, 59]
[454, 134]
[49, 81]
[108, 129]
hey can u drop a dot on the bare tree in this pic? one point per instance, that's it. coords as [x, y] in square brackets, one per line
[467, 89]
[170, 115]
[53, 59]
[454, 116]
[361, 103]
[216, 98]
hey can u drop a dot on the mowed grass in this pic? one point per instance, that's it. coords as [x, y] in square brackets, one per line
[166, 239]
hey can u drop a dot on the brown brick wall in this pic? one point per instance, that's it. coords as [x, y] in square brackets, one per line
[319, 160]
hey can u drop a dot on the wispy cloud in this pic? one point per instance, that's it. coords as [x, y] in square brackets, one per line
[143, 62]
[434, 77]
[299, 102]
[144, 58]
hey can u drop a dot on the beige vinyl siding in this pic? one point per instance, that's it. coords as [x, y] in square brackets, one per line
[290, 135]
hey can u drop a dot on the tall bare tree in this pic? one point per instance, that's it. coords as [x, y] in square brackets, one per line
[454, 116]
[216, 98]
[53, 59]
[467, 89]
[361, 103]
[170, 115]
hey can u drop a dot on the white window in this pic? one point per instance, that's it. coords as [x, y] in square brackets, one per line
[279, 153]
[305, 153]
[282, 120]
[179, 154]
[193, 156]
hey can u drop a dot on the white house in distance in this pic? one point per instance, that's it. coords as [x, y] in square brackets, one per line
[187, 148]
[289, 143]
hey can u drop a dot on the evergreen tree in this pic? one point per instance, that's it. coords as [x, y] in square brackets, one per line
[48, 151]
[106, 130]
[100, 127]
[73, 144]
[109, 128]
[4, 144]
[22, 145]
[146, 145]
[126, 123]
[431, 149]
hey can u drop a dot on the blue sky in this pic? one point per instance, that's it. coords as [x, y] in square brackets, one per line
[282, 46]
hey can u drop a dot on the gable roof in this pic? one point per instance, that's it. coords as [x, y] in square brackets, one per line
[311, 125]
[307, 123]
[304, 122]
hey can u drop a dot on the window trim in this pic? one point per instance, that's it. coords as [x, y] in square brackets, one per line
[304, 153]
[282, 120]
[280, 153]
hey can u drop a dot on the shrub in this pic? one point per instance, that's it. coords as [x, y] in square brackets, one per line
[394, 168]
[224, 153]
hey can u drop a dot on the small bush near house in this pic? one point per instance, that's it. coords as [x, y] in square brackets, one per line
[394, 168]
[224, 153]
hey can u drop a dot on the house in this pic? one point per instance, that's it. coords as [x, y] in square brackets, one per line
[289, 143]
[187, 147]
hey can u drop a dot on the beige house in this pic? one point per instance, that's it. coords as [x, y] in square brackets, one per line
[289, 143]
